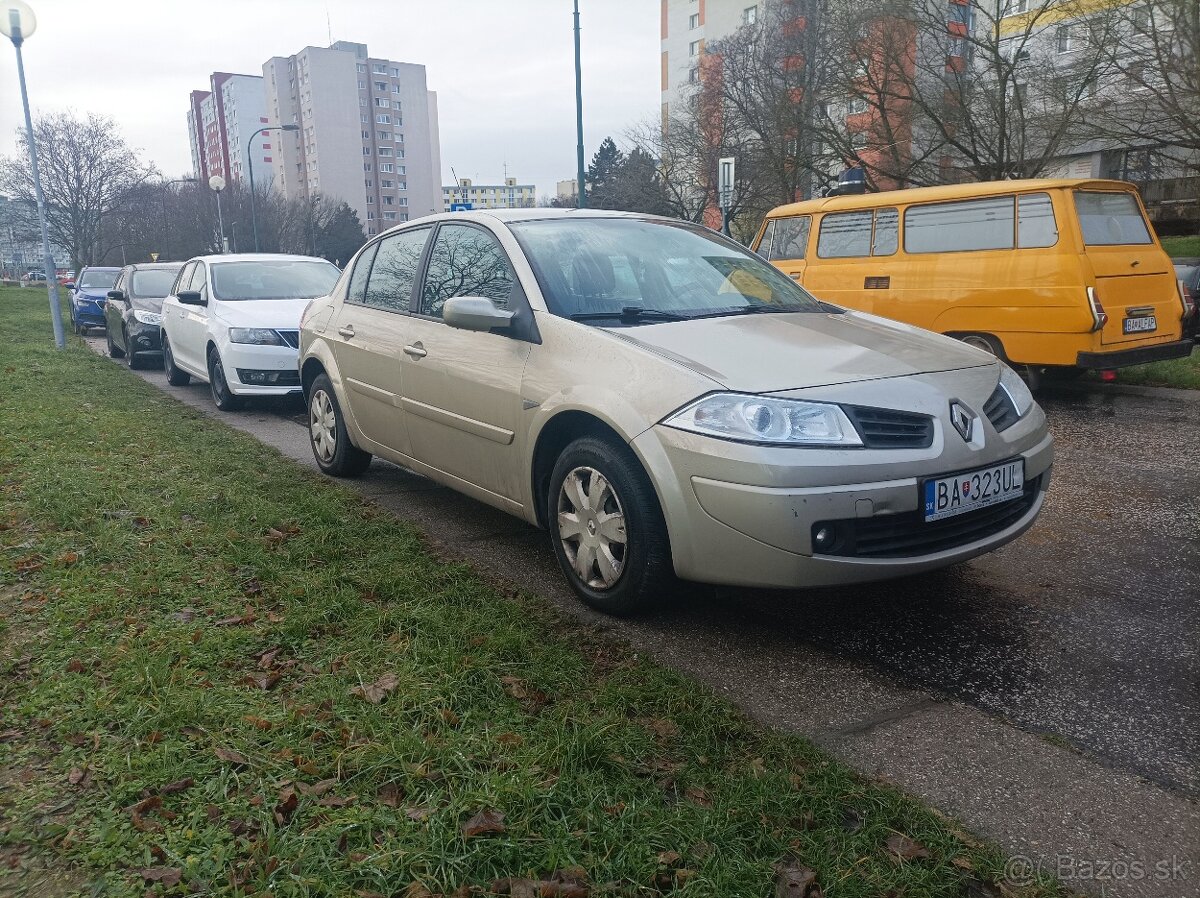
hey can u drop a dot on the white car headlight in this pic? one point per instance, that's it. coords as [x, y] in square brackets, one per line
[259, 336]
[1017, 390]
[146, 317]
[763, 419]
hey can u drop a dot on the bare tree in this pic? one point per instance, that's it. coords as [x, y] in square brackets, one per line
[87, 172]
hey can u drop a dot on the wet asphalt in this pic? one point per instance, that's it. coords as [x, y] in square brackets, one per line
[1047, 693]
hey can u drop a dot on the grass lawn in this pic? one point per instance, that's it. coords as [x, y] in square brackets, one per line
[220, 674]
[1181, 246]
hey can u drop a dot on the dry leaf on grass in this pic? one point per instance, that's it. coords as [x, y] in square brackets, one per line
[375, 692]
[486, 822]
[229, 756]
[168, 876]
[902, 848]
[792, 880]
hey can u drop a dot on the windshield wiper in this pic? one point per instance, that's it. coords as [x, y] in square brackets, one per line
[630, 313]
[751, 310]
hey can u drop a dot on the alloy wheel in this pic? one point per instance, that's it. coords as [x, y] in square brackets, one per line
[322, 426]
[591, 527]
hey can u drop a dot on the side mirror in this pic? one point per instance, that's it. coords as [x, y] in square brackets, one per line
[475, 313]
[191, 298]
[70, 285]
[116, 295]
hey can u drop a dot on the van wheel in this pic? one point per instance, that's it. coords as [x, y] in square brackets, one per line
[608, 531]
[986, 342]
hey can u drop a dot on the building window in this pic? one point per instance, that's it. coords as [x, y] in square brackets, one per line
[362, 117]
[1062, 37]
[694, 49]
[960, 13]
[362, 101]
[958, 47]
[362, 85]
[400, 171]
[370, 201]
[389, 216]
[395, 72]
[362, 68]
[366, 135]
[1016, 7]
[383, 119]
[694, 20]
[395, 104]
[694, 75]
[380, 102]
[387, 201]
[384, 135]
[385, 183]
[403, 201]
[385, 166]
[750, 15]
[381, 86]
[395, 88]
[366, 151]
[379, 68]
[385, 151]
[857, 106]
[367, 182]
[370, 212]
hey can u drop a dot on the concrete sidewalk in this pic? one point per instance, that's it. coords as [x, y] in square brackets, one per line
[1103, 831]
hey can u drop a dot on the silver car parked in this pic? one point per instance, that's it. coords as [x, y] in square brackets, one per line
[667, 405]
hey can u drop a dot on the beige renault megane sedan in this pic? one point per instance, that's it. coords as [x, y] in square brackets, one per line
[667, 404]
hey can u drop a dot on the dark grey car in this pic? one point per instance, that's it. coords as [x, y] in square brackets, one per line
[133, 313]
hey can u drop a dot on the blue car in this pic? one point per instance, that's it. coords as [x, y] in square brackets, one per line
[89, 296]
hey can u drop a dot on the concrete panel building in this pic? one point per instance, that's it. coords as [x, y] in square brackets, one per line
[509, 195]
[221, 119]
[368, 132]
[687, 25]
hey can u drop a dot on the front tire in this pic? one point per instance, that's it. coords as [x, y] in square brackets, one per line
[135, 363]
[223, 398]
[327, 433]
[175, 377]
[608, 531]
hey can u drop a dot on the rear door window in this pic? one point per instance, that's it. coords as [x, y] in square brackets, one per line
[1110, 219]
[1035, 221]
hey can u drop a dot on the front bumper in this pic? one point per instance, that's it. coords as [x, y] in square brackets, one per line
[743, 515]
[248, 357]
[88, 312]
[143, 337]
[1122, 358]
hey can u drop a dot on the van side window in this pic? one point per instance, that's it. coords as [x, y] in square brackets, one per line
[790, 238]
[959, 227]
[1110, 219]
[887, 232]
[845, 234]
[1035, 221]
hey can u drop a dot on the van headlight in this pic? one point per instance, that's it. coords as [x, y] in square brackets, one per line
[763, 419]
[146, 317]
[259, 336]
[1017, 390]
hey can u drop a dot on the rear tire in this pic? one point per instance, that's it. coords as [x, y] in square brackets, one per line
[175, 377]
[114, 351]
[607, 528]
[327, 434]
[223, 398]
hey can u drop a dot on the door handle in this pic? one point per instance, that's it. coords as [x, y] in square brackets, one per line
[415, 350]
[347, 331]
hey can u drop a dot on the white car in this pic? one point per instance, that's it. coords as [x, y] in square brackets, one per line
[234, 321]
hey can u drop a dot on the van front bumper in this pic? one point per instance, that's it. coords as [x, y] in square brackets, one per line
[1122, 358]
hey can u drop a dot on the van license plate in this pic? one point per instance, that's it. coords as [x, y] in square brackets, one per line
[946, 497]
[1141, 325]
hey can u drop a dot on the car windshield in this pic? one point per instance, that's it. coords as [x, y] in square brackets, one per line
[99, 280]
[634, 271]
[285, 279]
[154, 283]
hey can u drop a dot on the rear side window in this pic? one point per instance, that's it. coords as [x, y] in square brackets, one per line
[1035, 221]
[357, 291]
[959, 227]
[1110, 219]
[845, 234]
[465, 261]
[395, 270]
[786, 238]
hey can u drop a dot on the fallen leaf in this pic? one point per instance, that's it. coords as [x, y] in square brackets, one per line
[178, 786]
[76, 776]
[68, 558]
[168, 876]
[509, 739]
[795, 881]
[670, 859]
[375, 692]
[414, 890]
[699, 796]
[257, 722]
[661, 727]
[417, 814]
[316, 790]
[286, 806]
[266, 660]
[74, 666]
[901, 847]
[486, 821]
[263, 681]
[183, 615]
[230, 756]
[390, 795]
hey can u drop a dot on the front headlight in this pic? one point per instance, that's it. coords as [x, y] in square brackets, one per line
[146, 317]
[259, 336]
[1017, 390]
[762, 419]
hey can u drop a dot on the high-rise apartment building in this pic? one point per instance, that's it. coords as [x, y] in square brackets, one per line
[368, 132]
[221, 119]
[687, 25]
[509, 195]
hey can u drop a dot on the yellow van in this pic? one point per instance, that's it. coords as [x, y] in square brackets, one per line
[1045, 273]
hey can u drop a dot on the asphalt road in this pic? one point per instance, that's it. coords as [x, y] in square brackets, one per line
[1047, 693]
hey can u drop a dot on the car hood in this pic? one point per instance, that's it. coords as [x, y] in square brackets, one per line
[92, 293]
[278, 313]
[147, 303]
[775, 352]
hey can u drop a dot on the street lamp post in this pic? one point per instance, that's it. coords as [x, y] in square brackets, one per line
[250, 168]
[217, 183]
[17, 22]
[581, 189]
[166, 218]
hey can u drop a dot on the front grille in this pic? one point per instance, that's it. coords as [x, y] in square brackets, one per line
[291, 338]
[883, 428]
[1000, 410]
[908, 535]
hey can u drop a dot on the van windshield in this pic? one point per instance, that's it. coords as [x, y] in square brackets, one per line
[1110, 219]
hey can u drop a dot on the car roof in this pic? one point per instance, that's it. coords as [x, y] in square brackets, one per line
[140, 266]
[101, 268]
[510, 216]
[255, 257]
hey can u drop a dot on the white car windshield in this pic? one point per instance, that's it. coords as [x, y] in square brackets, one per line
[626, 271]
[284, 279]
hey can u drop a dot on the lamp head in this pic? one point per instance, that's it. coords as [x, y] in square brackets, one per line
[17, 21]
[217, 183]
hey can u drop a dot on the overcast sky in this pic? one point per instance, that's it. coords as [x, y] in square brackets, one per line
[503, 69]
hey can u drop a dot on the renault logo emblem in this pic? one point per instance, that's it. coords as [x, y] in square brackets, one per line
[962, 419]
